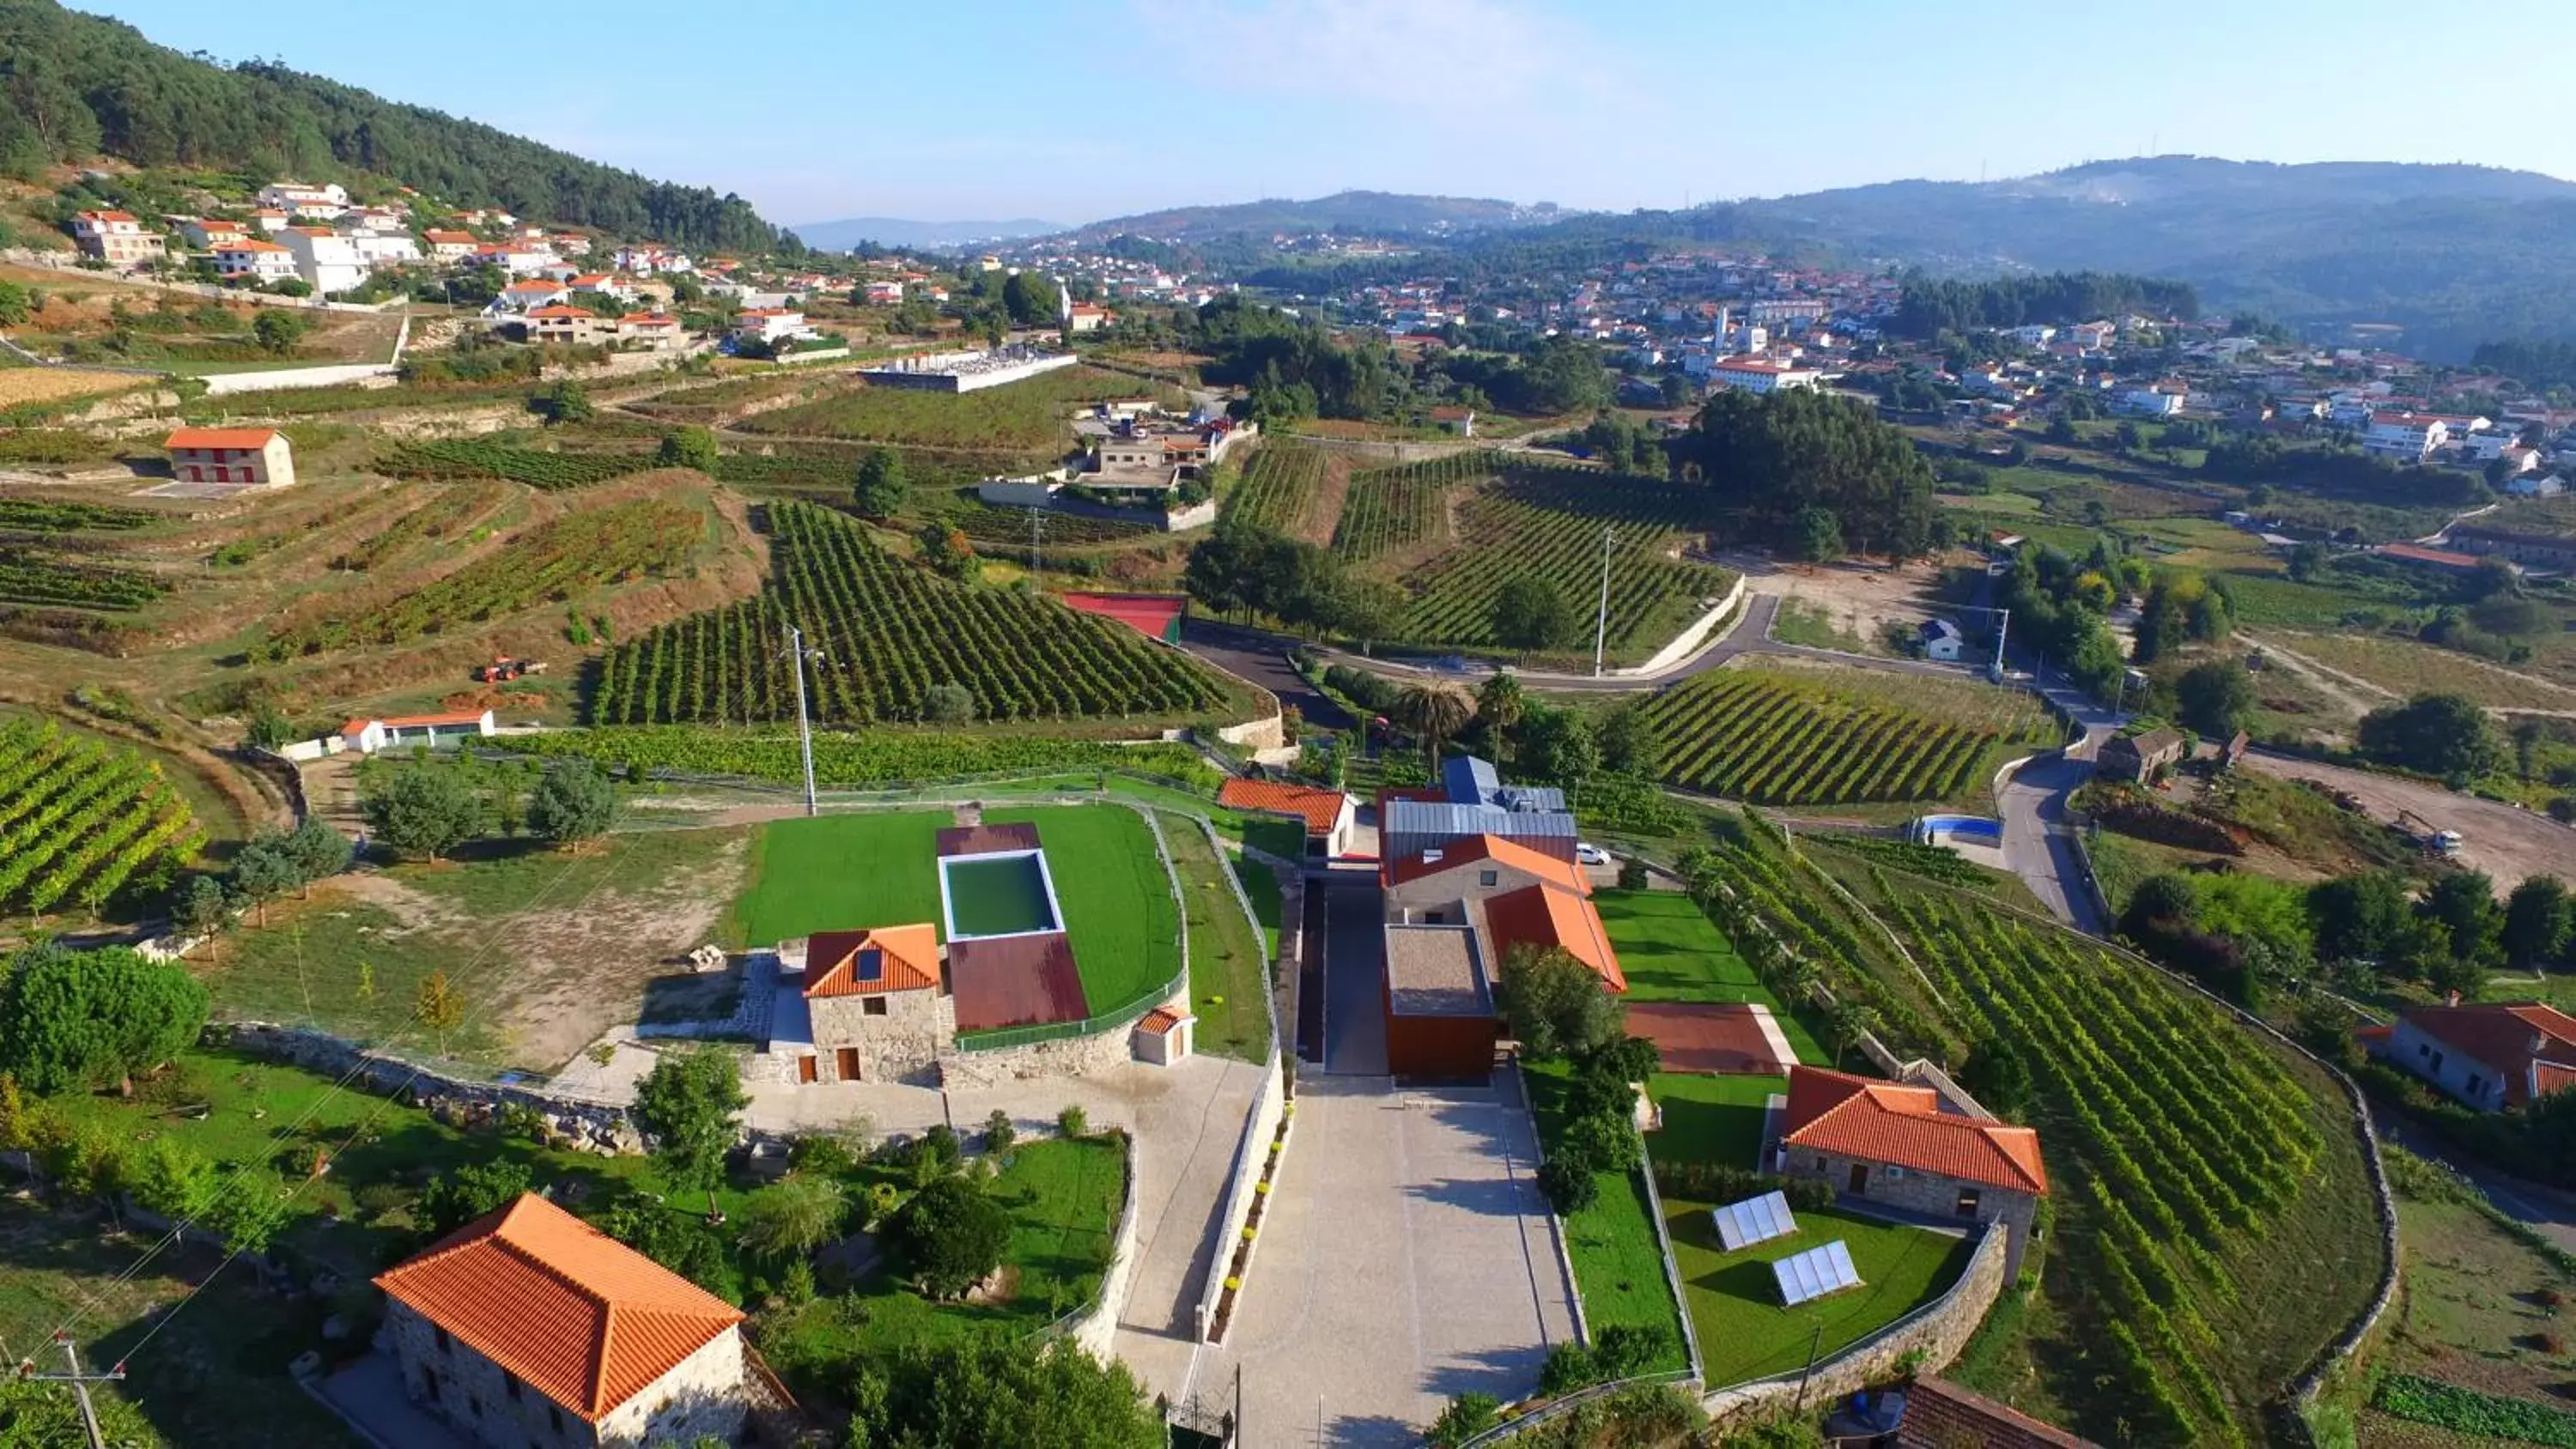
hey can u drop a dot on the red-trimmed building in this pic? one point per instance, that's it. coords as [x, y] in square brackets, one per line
[252, 457]
[367, 736]
[2490, 1056]
[1903, 1145]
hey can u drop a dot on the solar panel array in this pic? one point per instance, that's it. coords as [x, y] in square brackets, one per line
[1754, 1220]
[1815, 1273]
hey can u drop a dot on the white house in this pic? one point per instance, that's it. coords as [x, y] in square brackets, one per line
[1754, 375]
[2405, 436]
[261, 262]
[451, 246]
[532, 293]
[116, 237]
[253, 457]
[206, 235]
[2162, 400]
[381, 247]
[295, 197]
[517, 259]
[1941, 640]
[768, 324]
[367, 736]
[325, 259]
[2490, 1056]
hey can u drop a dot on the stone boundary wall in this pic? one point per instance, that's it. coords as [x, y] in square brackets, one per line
[1096, 1328]
[1938, 1331]
[587, 1123]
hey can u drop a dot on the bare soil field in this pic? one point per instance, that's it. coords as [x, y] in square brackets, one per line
[2507, 843]
[20, 385]
[1858, 599]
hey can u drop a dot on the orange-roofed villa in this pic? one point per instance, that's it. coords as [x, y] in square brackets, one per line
[1910, 1147]
[249, 457]
[531, 1327]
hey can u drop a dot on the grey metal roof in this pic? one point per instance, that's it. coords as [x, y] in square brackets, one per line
[1435, 817]
[1468, 780]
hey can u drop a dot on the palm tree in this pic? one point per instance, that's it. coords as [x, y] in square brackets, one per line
[1436, 710]
[1500, 706]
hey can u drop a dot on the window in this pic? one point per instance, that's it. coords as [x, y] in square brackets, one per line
[1489, 877]
[872, 1006]
[445, 1344]
[2437, 1061]
[429, 1386]
[2422, 1050]
[510, 1384]
[1968, 1197]
[554, 1417]
[2477, 1084]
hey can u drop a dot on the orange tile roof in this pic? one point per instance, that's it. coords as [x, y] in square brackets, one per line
[1318, 807]
[1499, 850]
[911, 956]
[1160, 1021]
[562, 312]
[451, 238]
[1940, 1414]
[2517, 1040]
[252, 438]
[1892, 1122]
[1551, 916]
[645, 319]
[247, 245]
[580, 1317]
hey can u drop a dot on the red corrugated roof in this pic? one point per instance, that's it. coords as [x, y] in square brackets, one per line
[1891, 1122]
[580, 1317]
[1151, 615]
[909, 960]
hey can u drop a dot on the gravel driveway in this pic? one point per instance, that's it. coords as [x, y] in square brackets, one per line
[2508, 844]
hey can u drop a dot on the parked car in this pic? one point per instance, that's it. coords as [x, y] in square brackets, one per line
[1586, 853]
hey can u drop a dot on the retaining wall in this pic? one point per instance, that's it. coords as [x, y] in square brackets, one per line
[1688, 641]
[1097, 1327]
[1937, 1331]
[584, 1123]
[1250, 1155]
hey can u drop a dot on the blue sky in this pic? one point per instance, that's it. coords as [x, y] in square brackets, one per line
[1074, 110]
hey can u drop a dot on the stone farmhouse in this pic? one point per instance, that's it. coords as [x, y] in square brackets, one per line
[2489, 1056]
[2138, 757]
[1908, 1146]
[251, 457]
[531, 1329]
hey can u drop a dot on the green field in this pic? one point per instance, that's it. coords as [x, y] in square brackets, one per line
[1735, 1309]
[1229, 952]
[843, 872]
[1671, 951]
[1033, 417]
[1618, 1263]
[997, 897]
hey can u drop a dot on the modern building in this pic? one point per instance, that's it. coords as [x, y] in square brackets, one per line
[1511, 895]
[1329, 816]
[1438, 998]
[1761, 377]
[529, 1329]
[116, 238]
[1472, 800]
[252, 457]
[411, 731]
[2138, 757]
[653, 331]
[769, 324]
[564, 323]
[326, 260]
[2408, 437]
[253, 260]
[319, 203]
[2162, 400]
[2489, 1056]
[1908, 1147]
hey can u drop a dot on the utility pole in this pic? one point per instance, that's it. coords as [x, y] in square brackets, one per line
[1601, 618]
[1809, 1371]
[80, 1383]
[1037, 521]
[796, 653]
[2003, 624]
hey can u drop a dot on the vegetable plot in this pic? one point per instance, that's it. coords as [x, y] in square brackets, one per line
[79, 818]
[888, 632]
[1768, 739]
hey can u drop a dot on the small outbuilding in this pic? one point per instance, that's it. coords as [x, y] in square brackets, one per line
[438, 731]
[1942, 640]
[1439, 1004]
[251, 457]
[1162, 1036]
[2138, 757]
[1328, 815]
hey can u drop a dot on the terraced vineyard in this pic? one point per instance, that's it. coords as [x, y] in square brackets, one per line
[1033, 417]
[475, 458]
[1389, 509]
[80, 817]
[1548, 522]
[1276, 489]
[889, 631]
[581, 550]
[450, 511]
[31, 578]
[41, 515]
[1775, 738]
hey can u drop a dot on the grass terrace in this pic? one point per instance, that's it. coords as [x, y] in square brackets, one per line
[1618, 1264]
[1735, 1309]
[1671, 951]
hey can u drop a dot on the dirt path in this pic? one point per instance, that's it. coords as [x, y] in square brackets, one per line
[2508, 844]
[2348, 692]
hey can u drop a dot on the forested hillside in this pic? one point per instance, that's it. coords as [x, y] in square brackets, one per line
[74, 86]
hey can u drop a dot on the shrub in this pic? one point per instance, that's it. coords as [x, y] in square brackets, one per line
[999, 1134]
[1467, 1416]
[950, 1236]
[1569, 1366]
[1568, 1184]
[1072, 1122]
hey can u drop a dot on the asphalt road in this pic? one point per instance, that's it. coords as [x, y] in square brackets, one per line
[2545, 1210]
[1262, 657]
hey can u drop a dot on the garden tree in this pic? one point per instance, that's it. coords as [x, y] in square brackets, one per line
[945, 549]
[2307, 560]
[200, 907]
[1560, 745]
[2538, 922]
[2440, 734]
[948, 704]
[2359, 917]
[1819, 535]
[317, 851]
[690, 447]
[950, 1236]
[566, 401]
[169, 1177]
[73, 1020]
[1462, 1419]
[1031, 299]
[461, 1194]
[573, 803]
[1433, 711]
[1557, 1005]
[2180, 607]
[999, 1391]
[680, 1241]
[1847, 1022]
[1998, 1077]
[263, 871]
[881, 487]
[1771, 458]
[1628, 744]
[999, 1133]
[423, 809]
[1530, 613]
[1500, 704]
[690, 1105]
[2095, 591]
[1568, 1184]
[2215, 697]
[2463, 902]
[438, 1005]
[792, 1218]
[278, 329]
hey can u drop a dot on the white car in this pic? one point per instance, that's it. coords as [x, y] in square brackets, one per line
[1586, 853]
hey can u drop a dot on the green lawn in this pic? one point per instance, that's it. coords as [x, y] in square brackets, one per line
[1734, 1300]
[1262, 885]
[1671, 951]
[840, 872]
[1710, 1119]
[998, 897]
[1618, 1264]
[1229, 962]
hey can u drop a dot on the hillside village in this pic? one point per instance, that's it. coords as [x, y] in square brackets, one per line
[617, 830]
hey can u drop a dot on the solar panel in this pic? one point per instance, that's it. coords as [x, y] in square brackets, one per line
[1754, 1220]
[1815, 1273]
[871, 965]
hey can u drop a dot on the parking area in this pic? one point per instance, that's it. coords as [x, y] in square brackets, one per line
[1407, 1258]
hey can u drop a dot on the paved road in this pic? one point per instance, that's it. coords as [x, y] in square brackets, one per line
[2547, 1211]
[1354, 969]
[1261, 656]
[2508, 844]
[1406, 1259]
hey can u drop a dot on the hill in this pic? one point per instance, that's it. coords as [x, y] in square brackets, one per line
[899, 233]
[1374, 212]
[2454, 254]
[77, 86]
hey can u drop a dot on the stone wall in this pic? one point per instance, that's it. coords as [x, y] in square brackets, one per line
[903, 1044]
[702, 1394]
[1937, 1330]
[580, 1123]
[1069, 1056]
[1923, 1194]
[1250, 1154]
[1097, 1328]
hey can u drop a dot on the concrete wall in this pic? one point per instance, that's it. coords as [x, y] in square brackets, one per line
[1250, 1155]
[225, 384]
[1938, 1330]
[1689, 640]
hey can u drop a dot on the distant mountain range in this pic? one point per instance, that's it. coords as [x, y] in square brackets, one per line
[1378, 213]
[895, 231]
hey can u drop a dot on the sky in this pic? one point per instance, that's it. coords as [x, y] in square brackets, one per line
[1079, 110]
